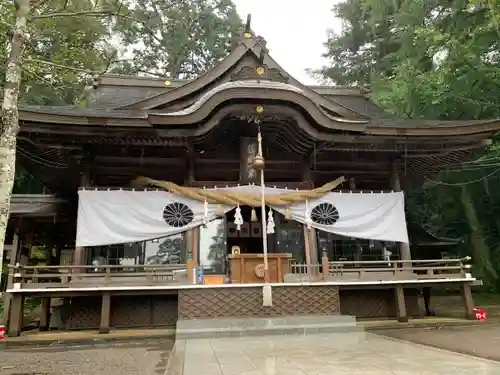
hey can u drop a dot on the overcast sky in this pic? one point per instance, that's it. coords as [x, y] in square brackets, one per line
[295, 31]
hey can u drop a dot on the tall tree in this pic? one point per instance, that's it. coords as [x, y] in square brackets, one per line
[359, 49]
[435, 59]
[180, 39]
[10, 116]
[47, 52]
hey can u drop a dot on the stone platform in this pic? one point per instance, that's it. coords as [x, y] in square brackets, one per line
[240, 327]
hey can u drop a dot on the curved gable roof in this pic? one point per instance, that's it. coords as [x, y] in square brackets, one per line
[256, 47]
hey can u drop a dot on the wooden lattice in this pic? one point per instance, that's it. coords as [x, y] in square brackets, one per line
[245, 302]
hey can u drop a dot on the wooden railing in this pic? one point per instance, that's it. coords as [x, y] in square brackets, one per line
[380, 270]
[304, 270]
[67, 276]
[420, 269]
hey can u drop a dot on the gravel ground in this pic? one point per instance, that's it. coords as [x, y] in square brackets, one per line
[480, 341]
[143, 358]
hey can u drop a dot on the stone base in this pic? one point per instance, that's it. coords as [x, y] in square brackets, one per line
[240, 327]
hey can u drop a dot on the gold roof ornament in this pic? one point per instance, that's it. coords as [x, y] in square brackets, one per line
[260, 70]
[259, 109]
[168, 83]
[247, 32]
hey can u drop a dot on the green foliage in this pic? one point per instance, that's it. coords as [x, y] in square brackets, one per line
[72, 41]
[434, 59]
[180, 39]
[68, 42]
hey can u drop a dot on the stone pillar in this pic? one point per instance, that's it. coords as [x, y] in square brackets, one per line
[404, 248]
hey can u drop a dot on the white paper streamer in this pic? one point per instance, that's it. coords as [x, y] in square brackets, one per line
[270, 222]
[238, 219]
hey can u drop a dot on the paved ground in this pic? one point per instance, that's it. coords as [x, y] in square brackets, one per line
[480, 340]
[145, 358]
[336, 353]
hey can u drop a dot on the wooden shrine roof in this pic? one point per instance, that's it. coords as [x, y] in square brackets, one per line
[247, 73]
[140, 125]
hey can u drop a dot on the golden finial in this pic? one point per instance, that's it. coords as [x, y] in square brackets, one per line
[247, 33]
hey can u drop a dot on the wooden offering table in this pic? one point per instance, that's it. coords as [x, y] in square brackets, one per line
[249, 268]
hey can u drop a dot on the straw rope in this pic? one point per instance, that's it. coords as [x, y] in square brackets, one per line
[233, 198]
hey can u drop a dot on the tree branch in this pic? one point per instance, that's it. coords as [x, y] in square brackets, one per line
[65, 66]
[37, 4]
[89, 13]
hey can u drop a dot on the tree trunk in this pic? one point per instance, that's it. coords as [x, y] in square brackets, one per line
[10, 117]
[480, 251]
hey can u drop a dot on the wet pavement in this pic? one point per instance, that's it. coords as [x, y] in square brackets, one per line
[355, 353]
[481, 341]
[144, 358]
[352, 353]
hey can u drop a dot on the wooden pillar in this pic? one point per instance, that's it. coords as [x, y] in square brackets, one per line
[306, 169]
[307, 245]
[468, 301]
[326, 266]
[105, 313]
[45, 314]
[14, 255]
[190, 262]
[404, 248]
[313, 241]
[190, 165]
[352, 184]
[79, 258]
[85, 181]
[400, 304]
[16, 314]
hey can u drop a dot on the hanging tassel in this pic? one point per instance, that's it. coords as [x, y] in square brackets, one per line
[253, 217]
[238, 219]
[219, 212]
[288, 213]
[205, 213]
[307, 216]
[270, 222]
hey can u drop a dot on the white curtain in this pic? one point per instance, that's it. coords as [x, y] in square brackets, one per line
[377, 216]
[122, 216]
